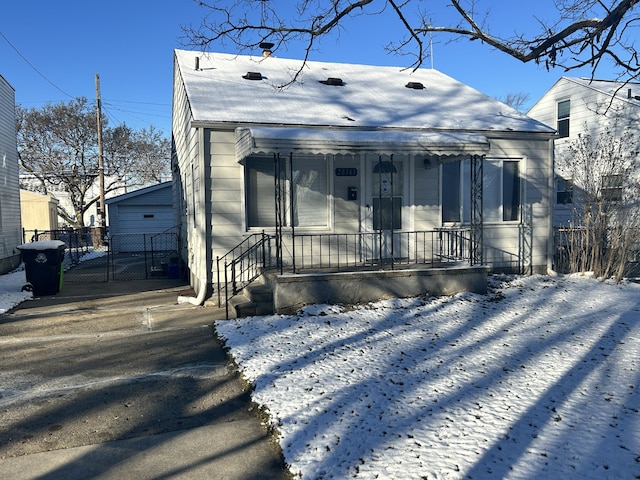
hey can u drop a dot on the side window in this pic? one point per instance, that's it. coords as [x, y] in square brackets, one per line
[510, 191]
[564, 191]
[501, 187]
[564, 113]
[612, 188]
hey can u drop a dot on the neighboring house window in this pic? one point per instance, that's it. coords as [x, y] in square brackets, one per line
[612, 188]
[310, 194]
[564, 112]
[564, 191]
[501, 187]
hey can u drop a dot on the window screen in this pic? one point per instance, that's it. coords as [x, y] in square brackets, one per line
[307, 188]
[451, 192]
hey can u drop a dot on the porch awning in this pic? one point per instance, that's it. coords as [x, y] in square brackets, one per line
[448, 146]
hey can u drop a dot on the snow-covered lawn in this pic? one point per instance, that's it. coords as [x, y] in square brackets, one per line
[537, 379]
[10, 290]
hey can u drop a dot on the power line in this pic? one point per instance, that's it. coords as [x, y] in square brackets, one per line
[33, 67]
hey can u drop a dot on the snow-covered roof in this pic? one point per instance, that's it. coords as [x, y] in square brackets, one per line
[371, 97]
[137, 193]
[612, 88]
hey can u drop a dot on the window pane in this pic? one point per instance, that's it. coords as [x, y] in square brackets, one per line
[466, 190]
[451, 192]
[260, 188]
[491, 192]
[564, 191]
[511, 191]
[564, 109]
[564, 112]
[563, 128]
[612, 188]
[310, 192]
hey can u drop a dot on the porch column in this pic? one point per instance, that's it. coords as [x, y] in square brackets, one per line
[477, 224]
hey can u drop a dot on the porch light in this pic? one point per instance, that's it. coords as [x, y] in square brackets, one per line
[385, 167]
[427, 164]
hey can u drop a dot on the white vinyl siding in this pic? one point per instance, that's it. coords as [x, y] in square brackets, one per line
[10, 222]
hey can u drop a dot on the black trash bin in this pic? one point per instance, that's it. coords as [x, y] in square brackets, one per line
[43, 265]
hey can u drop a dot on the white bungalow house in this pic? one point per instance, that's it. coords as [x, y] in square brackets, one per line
[355, 182]
[577, 106]
[10, 224]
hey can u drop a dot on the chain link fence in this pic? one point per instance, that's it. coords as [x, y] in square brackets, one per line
[92, 257]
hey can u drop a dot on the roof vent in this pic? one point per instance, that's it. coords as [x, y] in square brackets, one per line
[266, 48]
[197, 63]
[333, 81]
[252, 76]
[415, 85]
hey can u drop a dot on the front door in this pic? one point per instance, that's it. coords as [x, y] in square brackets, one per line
[385, 202]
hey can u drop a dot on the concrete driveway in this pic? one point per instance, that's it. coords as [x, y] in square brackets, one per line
[116, 380]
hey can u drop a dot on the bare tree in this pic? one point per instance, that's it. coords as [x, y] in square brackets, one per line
[581, 33]
[515, 100]
[605, 175]
[57, 148]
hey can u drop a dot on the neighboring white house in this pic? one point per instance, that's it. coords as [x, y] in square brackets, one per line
[383, 155]
[10, 226]
[582, 106]
[135, 217]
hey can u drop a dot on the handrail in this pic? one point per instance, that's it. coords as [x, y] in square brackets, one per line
[244, 263]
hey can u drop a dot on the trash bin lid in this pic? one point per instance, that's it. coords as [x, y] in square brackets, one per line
[42, 245]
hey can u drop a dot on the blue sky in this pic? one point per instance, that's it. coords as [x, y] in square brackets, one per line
[51, 51]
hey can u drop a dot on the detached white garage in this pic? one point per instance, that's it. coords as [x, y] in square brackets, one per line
[142, 220]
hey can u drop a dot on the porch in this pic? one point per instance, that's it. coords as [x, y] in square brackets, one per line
[284, 273]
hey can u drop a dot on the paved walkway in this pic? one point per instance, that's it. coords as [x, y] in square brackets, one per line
[116, 380]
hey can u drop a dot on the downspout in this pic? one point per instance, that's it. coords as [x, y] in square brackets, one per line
[550, 242]
[202, 288]
[197, 301]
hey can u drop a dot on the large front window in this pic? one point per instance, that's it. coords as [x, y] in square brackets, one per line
[500, 190]
[304, 192]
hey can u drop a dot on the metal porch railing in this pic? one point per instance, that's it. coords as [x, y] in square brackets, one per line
[241, 266]
[342, 252]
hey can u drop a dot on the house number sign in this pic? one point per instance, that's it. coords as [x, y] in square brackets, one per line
[346, 172]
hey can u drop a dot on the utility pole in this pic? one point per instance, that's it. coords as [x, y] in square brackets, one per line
[102, 212]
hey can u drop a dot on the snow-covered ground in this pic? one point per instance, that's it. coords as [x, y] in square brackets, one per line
[11, 284]
[536, 380]
[10, 290]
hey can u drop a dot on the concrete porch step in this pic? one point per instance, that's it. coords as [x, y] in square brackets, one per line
[255, 299]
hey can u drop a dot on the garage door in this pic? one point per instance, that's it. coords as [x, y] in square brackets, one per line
[133, 229]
